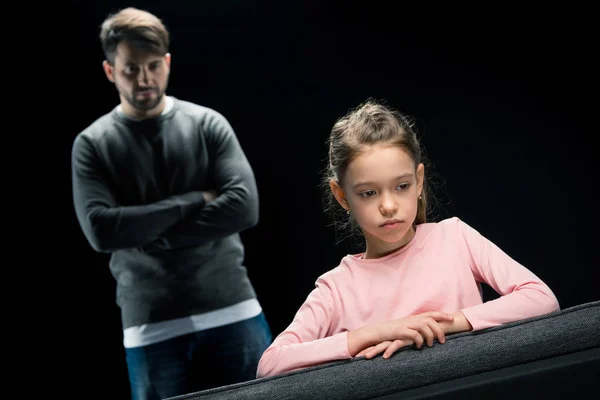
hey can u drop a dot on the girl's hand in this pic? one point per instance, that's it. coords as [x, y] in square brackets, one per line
[420, 328]
[390, 348]
[392, 335]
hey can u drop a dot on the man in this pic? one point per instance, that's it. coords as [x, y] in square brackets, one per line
[163, 185]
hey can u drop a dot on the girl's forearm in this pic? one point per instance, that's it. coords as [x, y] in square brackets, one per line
[458, 324]
[360, 339]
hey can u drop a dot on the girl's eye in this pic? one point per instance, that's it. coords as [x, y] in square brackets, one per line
[367, 193]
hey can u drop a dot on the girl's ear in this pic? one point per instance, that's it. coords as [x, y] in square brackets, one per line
[338, 192]
[420, 178]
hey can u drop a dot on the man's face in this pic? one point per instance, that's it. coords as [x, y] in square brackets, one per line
[141, 78]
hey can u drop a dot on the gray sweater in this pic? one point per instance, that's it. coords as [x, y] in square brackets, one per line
[138, 194]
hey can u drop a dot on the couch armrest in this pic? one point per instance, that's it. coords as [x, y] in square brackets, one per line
[464, 354]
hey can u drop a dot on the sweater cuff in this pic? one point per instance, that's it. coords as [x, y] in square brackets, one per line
[191, 202]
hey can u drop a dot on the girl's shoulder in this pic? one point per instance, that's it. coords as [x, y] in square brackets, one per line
[448, 228]
[447, 225]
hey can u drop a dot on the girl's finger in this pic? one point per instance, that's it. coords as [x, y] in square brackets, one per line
[427, 334]
[396, 344]
[438, 331]
[364, 351]
[378, 349]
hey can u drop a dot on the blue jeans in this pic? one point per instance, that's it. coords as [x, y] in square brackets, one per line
[197, 361]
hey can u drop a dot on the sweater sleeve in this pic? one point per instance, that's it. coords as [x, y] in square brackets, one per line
[522, 293]
[108, 226]
[236, 207]
[305, 342]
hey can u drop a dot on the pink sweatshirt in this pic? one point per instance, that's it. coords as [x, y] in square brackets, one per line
[438, 270]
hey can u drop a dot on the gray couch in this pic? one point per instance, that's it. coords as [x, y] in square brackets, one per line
[550, 356]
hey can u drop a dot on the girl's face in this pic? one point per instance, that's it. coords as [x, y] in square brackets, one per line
[382, 187]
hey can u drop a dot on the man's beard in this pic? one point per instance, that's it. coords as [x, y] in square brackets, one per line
[145, 104]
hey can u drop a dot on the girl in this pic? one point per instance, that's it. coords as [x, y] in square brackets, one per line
[416, 281]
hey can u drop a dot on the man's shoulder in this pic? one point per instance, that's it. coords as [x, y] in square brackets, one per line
[85, 142]
[197, 111]
[97, 128]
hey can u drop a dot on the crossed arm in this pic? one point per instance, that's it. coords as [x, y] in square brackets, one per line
[419, 329]
[177, 221]
[231, 208]
[109, 226]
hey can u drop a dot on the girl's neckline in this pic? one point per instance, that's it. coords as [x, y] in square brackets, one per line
[359, 257]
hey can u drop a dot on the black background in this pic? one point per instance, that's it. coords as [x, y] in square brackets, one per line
[504, 98]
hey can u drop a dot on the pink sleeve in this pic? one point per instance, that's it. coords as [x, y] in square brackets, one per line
[522, 293]
[305, 342]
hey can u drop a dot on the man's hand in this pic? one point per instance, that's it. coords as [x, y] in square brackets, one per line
[210, 195]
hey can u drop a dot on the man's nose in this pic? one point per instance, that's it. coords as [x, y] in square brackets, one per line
[143, 76]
